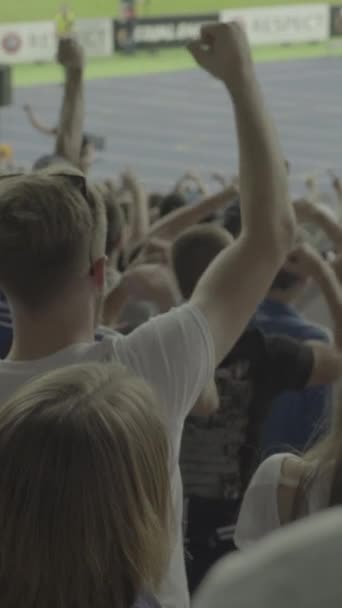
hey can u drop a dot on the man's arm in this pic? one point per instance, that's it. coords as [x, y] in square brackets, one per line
[140, 220]
[239, 278]
[70, 127]
[306, 211]
[170, 227]
[306, 262]
[36, 124]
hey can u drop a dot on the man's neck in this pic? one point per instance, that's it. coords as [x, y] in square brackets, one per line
[37, 336]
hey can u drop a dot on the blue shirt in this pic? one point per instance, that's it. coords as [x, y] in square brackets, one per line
[296, 417]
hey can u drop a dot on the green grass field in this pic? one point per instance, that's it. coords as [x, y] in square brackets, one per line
[163, 61]
[33, 10]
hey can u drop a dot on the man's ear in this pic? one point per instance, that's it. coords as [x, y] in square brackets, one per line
[97, 272]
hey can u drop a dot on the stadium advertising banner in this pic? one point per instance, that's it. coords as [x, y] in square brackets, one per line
[336, 21]
[171, 31]
[283, 24]
[96, 36]
[36, 42]
[27, 42]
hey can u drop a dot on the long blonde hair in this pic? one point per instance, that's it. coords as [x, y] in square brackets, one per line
[84, 491]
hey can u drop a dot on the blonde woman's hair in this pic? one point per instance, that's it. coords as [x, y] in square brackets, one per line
[84, 491]
[49, 232]
[325, 457]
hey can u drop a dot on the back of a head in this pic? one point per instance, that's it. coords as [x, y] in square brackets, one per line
[297, 567]
[49, 233]
[171, 202]
[84, 494]
[284, 280]
[194, 251]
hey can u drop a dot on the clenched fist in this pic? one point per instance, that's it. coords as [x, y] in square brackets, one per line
[223, 51]
[70, 53]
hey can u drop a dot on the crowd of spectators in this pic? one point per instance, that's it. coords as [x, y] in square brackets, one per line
[164, 401]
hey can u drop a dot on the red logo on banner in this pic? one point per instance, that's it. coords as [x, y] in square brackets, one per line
[11, 43]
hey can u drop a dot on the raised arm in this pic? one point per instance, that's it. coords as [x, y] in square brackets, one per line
[233, 286]
[70, 127]
[170, 227]
[305, 261]
[308, 212]
[36, 124]
[140, 220]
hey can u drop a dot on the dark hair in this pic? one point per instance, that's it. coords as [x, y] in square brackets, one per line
[285, 280]
[194, 251]
[43, 162]
[232, 218]
[171, 202]
[155, 200]
[232, 222]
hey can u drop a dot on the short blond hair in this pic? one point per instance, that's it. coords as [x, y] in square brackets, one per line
[49, 232]
[84, 491]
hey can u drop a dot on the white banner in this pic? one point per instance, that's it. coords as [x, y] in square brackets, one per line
[27, 42]
[283, 24]
[96, 36]
[36, 42]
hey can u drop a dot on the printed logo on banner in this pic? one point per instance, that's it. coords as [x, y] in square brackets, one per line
[162, 31]
[27, 42]
[11, 42]
[96, 36]
[283, 24]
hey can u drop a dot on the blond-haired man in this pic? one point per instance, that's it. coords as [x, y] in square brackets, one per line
[52, 266]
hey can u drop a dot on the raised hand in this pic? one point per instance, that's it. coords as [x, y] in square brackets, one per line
[70, 53]
[224, 52]
[305, 210]
[336, 183]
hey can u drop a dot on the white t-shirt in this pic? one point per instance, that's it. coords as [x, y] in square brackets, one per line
[175, 354]
[259, 515]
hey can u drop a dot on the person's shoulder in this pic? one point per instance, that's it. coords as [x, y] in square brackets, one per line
[290, 495]
[312, 331]
[292, 470]
[270, 470]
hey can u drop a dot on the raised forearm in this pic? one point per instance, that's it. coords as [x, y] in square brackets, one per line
[70, 128]
[265, 206]
[173, 224]
[333, 230]
[331, 288]
[140, 213]
[36, 124]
